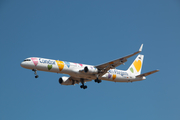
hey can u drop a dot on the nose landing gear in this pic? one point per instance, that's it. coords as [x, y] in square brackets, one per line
[35, 72]
[36, 76]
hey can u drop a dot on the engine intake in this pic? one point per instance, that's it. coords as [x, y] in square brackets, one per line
[86, 69]
[65, 81]
[60, 80]
[90, 70]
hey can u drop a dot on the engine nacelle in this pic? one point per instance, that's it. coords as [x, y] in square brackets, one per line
[65, 81]
[90, 70]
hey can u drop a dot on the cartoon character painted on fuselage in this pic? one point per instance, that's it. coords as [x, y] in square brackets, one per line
[81, 73]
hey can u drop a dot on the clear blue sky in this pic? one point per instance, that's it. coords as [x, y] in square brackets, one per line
[90, 32]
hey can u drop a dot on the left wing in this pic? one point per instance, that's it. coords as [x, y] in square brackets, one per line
[103, 68]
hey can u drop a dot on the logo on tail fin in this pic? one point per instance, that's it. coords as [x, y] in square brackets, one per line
[132, 70]
[137, 65]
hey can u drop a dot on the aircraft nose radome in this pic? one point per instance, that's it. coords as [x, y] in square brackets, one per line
[22, 64]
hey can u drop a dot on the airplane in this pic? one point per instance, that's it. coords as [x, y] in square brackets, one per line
[82, 73]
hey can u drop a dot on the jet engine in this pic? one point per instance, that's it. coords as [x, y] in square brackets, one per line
[90, 70]
[65, 81]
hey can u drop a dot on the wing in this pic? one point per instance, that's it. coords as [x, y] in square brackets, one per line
[103, 68]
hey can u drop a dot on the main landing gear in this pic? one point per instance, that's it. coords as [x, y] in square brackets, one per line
[83, 86]
[35, 72]
[97, 80]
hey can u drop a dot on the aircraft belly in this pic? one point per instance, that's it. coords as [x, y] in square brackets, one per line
[116, 78]
[81, 75]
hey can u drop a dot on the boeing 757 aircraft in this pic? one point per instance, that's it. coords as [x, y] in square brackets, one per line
[82, 73]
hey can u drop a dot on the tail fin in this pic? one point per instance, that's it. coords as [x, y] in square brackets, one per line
[136, 66]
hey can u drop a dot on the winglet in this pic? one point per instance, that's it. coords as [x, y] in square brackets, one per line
[140, 49]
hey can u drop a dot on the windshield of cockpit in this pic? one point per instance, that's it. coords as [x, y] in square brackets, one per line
[27, 60]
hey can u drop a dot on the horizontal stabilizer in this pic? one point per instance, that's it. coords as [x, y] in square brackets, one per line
[148, 73]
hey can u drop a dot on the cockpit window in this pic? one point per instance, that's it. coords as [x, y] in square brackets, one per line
[27, 60]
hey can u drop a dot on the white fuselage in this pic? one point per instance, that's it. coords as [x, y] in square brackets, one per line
[77, 70]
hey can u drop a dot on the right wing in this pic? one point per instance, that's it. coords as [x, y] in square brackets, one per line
[103, 68]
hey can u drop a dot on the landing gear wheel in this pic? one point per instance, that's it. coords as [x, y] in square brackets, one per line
[35, 72]
[36, 76]
[83, 86]
[97, 80]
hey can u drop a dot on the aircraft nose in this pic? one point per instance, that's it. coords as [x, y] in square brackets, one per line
[22, 64]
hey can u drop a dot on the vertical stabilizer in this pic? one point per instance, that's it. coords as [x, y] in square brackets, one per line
[136, 66]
